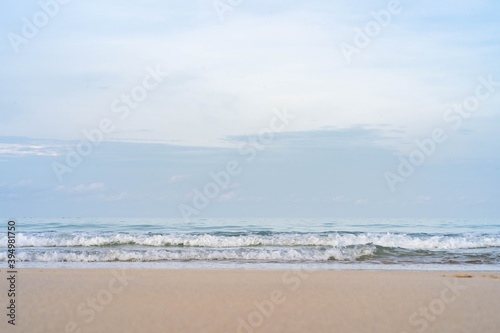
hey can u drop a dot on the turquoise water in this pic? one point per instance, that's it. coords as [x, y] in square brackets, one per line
[417, 244]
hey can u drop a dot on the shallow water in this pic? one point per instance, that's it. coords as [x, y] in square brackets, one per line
[416, 244]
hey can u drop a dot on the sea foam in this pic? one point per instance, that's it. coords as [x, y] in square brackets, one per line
[389, 240]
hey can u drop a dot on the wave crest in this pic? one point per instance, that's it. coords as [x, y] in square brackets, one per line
[389, 240]
[264, 254]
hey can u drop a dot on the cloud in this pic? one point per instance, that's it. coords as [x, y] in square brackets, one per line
[27, 149]
[111, 197]
[360, 202]
[22, 183]
[231, 195]
[289, 57]
[178, 179]
[92, 192]
[82, 189]
[423, 199]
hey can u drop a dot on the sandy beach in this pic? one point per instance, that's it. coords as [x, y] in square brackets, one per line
[107, 300]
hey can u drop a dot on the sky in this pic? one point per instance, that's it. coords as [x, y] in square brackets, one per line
[262, 108]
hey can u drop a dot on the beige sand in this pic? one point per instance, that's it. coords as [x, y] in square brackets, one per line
[99, 300]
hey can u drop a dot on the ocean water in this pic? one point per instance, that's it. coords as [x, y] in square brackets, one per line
[319, 244]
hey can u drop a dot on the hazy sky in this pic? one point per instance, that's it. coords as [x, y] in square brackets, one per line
[174, 91]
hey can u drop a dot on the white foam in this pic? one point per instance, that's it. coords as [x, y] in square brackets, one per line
[390, 240]
[259, 254]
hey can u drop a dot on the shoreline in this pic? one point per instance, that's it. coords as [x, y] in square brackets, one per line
[258, 266]
[220, 300]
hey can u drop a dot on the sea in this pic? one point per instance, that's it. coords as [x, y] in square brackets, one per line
[257, 243]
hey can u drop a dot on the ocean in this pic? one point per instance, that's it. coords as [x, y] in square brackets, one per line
[238, 243]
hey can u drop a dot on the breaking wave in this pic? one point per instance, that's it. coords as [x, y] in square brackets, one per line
[260, 254]
[389, 240]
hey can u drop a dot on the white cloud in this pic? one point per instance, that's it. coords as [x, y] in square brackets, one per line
[360, 202]
[92, 192]
[27, 149]
[82, 189]
[241, 69]
[178, 179]
[116, 197]
[423, 199]
[231, 195]
[22, 183]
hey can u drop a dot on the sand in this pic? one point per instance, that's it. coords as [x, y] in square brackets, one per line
[102, 300]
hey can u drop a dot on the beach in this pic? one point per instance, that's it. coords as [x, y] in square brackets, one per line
[232, 166]
[167, 300]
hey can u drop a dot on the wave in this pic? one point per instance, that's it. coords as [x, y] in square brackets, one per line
[388, 240]
[282, 255]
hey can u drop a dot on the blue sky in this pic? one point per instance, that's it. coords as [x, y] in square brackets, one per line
[353, 121]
